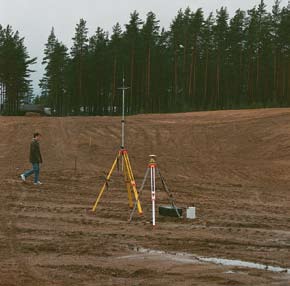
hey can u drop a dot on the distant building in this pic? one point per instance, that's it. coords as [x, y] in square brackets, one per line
[37, 108]
[2, 96]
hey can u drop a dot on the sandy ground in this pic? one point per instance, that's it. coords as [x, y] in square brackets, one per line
[233, 166]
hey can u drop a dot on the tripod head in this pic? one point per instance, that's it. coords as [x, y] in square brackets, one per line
[152, 158]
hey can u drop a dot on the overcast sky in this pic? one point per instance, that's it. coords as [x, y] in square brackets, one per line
[34, 18]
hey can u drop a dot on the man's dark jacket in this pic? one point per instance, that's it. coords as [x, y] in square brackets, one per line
[35, 155]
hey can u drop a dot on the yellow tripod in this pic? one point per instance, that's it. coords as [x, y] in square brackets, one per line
[126, 166]
[128, 177]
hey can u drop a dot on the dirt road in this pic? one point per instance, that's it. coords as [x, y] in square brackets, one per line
[233, 166]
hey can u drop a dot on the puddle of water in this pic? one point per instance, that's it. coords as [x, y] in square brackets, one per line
[191, 258]
[160, 255]
[230, 272]
[239, 263]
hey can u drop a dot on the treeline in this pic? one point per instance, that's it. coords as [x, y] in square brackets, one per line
[199, 63]
[15, 85]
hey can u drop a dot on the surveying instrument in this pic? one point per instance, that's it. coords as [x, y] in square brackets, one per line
[126, 166]
[153, 169]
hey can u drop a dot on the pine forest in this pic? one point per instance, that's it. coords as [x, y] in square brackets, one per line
[201, 62]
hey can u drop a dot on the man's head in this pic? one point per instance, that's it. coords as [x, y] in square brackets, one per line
[36, 136]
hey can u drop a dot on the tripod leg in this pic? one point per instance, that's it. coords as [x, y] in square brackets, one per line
[139, 194]
[132, 181]
[128, 186]
[168, 192]
[153, 197]
[105, 184]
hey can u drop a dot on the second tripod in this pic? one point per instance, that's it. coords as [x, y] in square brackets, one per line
[153, 169]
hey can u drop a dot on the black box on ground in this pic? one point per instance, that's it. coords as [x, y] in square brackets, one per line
[170, 211]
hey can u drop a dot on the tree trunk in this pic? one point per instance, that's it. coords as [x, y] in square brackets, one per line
[250, 83]
[114, 84]
[130, 101]
[257, 85]
[217, 100]
[175, 77]
[191, 79]
[275, 78]
[205, 77]
[148, 78]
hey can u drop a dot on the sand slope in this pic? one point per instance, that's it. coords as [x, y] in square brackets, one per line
[234, 166]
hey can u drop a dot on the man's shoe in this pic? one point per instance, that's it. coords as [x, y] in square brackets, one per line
[23, 177]
[38, 183]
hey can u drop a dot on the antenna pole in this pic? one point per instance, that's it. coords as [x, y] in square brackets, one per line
[126, 165]
[123, 115]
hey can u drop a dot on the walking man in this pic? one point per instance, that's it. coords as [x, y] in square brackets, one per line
[35, 159]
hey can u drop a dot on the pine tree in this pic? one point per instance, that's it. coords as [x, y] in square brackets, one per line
[54, 81]
[207, 45]
[132, 47]
[251, 49]
[49, 48]
[176, 45]
[196, 24]
[275, 23]
[79, 53]
[2, 85]
[162, 71]
[283, 85]
[99, 74]
[235, 74]
[150, 33]
[14, 69]
[264, 56]
[117, 64]
[220, 30]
